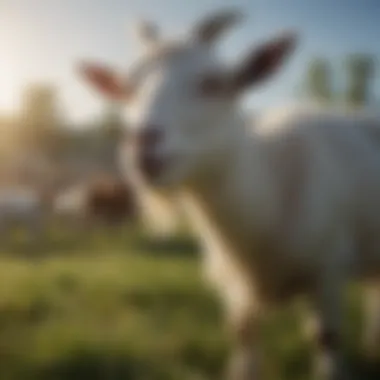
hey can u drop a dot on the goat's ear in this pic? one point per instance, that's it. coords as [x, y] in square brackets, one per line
[105, 80]
[212, 26]
[146, 32]
[264, 61]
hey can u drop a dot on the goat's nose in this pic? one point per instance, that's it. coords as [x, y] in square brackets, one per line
[148, 137]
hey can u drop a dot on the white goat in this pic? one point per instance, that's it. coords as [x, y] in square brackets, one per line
[286, 206]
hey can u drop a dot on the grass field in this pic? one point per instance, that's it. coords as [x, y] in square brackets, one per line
[114, 306]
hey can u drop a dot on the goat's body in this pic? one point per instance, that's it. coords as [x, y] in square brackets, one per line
[111, 200]
[300, 181]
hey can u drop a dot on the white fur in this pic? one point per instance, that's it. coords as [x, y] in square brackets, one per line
[284, 205]
[159, 215]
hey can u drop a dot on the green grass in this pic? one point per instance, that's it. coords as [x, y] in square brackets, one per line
[115, 306]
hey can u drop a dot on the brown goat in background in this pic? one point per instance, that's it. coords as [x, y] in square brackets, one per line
[110, 200]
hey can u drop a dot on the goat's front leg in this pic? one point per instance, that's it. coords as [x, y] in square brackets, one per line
[241, 311]
[243, 323]
[329, 303]
[245, 360]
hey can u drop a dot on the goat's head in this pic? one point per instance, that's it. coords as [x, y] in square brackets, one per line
[180, 97]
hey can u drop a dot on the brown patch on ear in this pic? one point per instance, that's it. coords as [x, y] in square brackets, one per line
[105, 80]
[264, 61]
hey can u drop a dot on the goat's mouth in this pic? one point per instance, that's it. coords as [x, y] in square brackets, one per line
[151, 167]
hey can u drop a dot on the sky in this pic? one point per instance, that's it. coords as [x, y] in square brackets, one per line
[42, 40]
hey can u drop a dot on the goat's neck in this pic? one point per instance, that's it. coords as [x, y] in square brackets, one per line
[239, 187]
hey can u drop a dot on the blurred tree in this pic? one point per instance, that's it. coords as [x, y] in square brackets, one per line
[41, 133]
[356, 89]
[319, 85]
[360, 73]
[41, 120]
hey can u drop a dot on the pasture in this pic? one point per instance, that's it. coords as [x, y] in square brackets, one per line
[115, 306]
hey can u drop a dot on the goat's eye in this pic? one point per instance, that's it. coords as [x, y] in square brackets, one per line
[211, 85]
